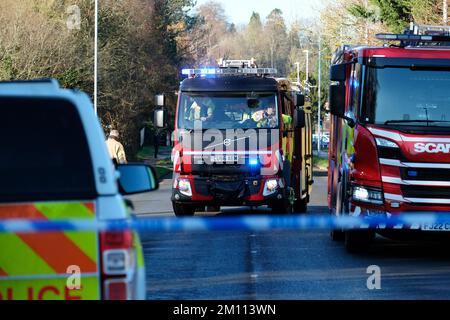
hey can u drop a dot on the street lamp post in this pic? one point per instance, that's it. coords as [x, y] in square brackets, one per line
[96, 57]
[307, 67]
[319, 96]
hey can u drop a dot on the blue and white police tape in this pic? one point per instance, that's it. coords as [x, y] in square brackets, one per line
[420, 221]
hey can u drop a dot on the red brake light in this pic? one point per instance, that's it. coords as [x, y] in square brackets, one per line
[117, 261]
[116, 290]
[116, 240]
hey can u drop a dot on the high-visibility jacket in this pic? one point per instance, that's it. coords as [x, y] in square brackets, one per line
[116, 150]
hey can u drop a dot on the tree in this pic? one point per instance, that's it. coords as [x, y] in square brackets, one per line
[209, 33]
[397, 14]
[275, 30]
[253, 39]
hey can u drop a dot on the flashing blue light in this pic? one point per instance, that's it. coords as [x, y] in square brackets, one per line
[185, 72]
[208, 71]
[413, 173]
[253, 162]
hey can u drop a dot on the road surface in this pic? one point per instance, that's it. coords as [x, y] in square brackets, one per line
[283, 265]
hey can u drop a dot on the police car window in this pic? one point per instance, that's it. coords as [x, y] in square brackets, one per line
[44, 152]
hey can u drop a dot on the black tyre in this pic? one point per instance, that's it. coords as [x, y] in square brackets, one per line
[337, 235]
[342, 209]
[183, 210]
[301, 205]
[358, 241]
[212, 208]
[282, 207]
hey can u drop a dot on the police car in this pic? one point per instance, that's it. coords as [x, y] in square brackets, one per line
[54, 166]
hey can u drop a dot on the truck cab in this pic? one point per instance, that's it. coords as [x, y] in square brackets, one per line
[242, 138]
[55, 167]
[390, 130]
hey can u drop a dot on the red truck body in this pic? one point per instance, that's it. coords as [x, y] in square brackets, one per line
[390, 133]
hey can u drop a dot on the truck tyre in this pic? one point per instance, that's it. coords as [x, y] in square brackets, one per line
[183, 210]
[212, 208]
[358, 241]
[337, 235]
[282, 207]
[301, 205]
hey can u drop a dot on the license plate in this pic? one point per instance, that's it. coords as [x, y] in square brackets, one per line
[436, 226]
[224, 158]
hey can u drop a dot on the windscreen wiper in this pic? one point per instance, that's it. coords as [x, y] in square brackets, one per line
[420, 121]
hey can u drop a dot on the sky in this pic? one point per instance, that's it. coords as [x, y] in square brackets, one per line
[240, 11]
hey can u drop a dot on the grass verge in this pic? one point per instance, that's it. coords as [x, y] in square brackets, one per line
[161, 172]
[320, 163]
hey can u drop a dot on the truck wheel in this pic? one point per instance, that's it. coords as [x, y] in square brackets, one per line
[337, 235]
[301, 205]
[358, 241]
[282, 207]
[183, 210]
[341, 209]
[212, 209]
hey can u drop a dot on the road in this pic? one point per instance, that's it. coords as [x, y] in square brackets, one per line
[283, 265]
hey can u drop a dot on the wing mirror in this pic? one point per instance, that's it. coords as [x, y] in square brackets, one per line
[136, 178]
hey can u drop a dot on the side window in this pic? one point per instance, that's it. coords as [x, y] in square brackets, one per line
[44, 152]
[355, 88]
[287, 112]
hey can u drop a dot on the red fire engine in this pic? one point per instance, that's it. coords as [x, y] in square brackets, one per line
[242, 137]
[390, 131]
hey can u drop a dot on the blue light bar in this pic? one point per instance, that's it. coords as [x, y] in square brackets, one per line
[229, 71]
[253, 162]
[408, 37]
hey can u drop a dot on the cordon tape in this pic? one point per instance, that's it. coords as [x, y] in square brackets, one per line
[437, 221]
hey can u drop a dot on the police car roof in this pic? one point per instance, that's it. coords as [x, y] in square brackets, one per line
[229, 83]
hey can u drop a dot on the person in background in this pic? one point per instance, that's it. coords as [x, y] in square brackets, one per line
[156, 143]
[115, 148]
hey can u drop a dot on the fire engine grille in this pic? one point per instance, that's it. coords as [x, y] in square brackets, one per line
[425, 174]
[425, 192]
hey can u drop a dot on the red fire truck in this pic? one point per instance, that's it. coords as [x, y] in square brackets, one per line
[390, 131]
[242, 138]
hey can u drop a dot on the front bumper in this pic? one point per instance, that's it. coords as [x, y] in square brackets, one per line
[233, 192]
[414, 229]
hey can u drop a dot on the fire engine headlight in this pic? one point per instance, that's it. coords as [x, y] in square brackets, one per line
[270, 187]
[367, 195]
[386, 143]
[184, 185]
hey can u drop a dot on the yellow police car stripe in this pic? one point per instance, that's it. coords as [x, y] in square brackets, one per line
[50, 289]
[84, 240]
[34, 266]
[55, 211]
[17, 258]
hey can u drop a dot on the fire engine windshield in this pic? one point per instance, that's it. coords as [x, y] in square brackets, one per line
[407, 96]
[228, 111]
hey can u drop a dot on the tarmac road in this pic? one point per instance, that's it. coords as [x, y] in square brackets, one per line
[283, 265]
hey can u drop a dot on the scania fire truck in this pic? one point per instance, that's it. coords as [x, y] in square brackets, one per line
[242, 138]
[390, 131]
